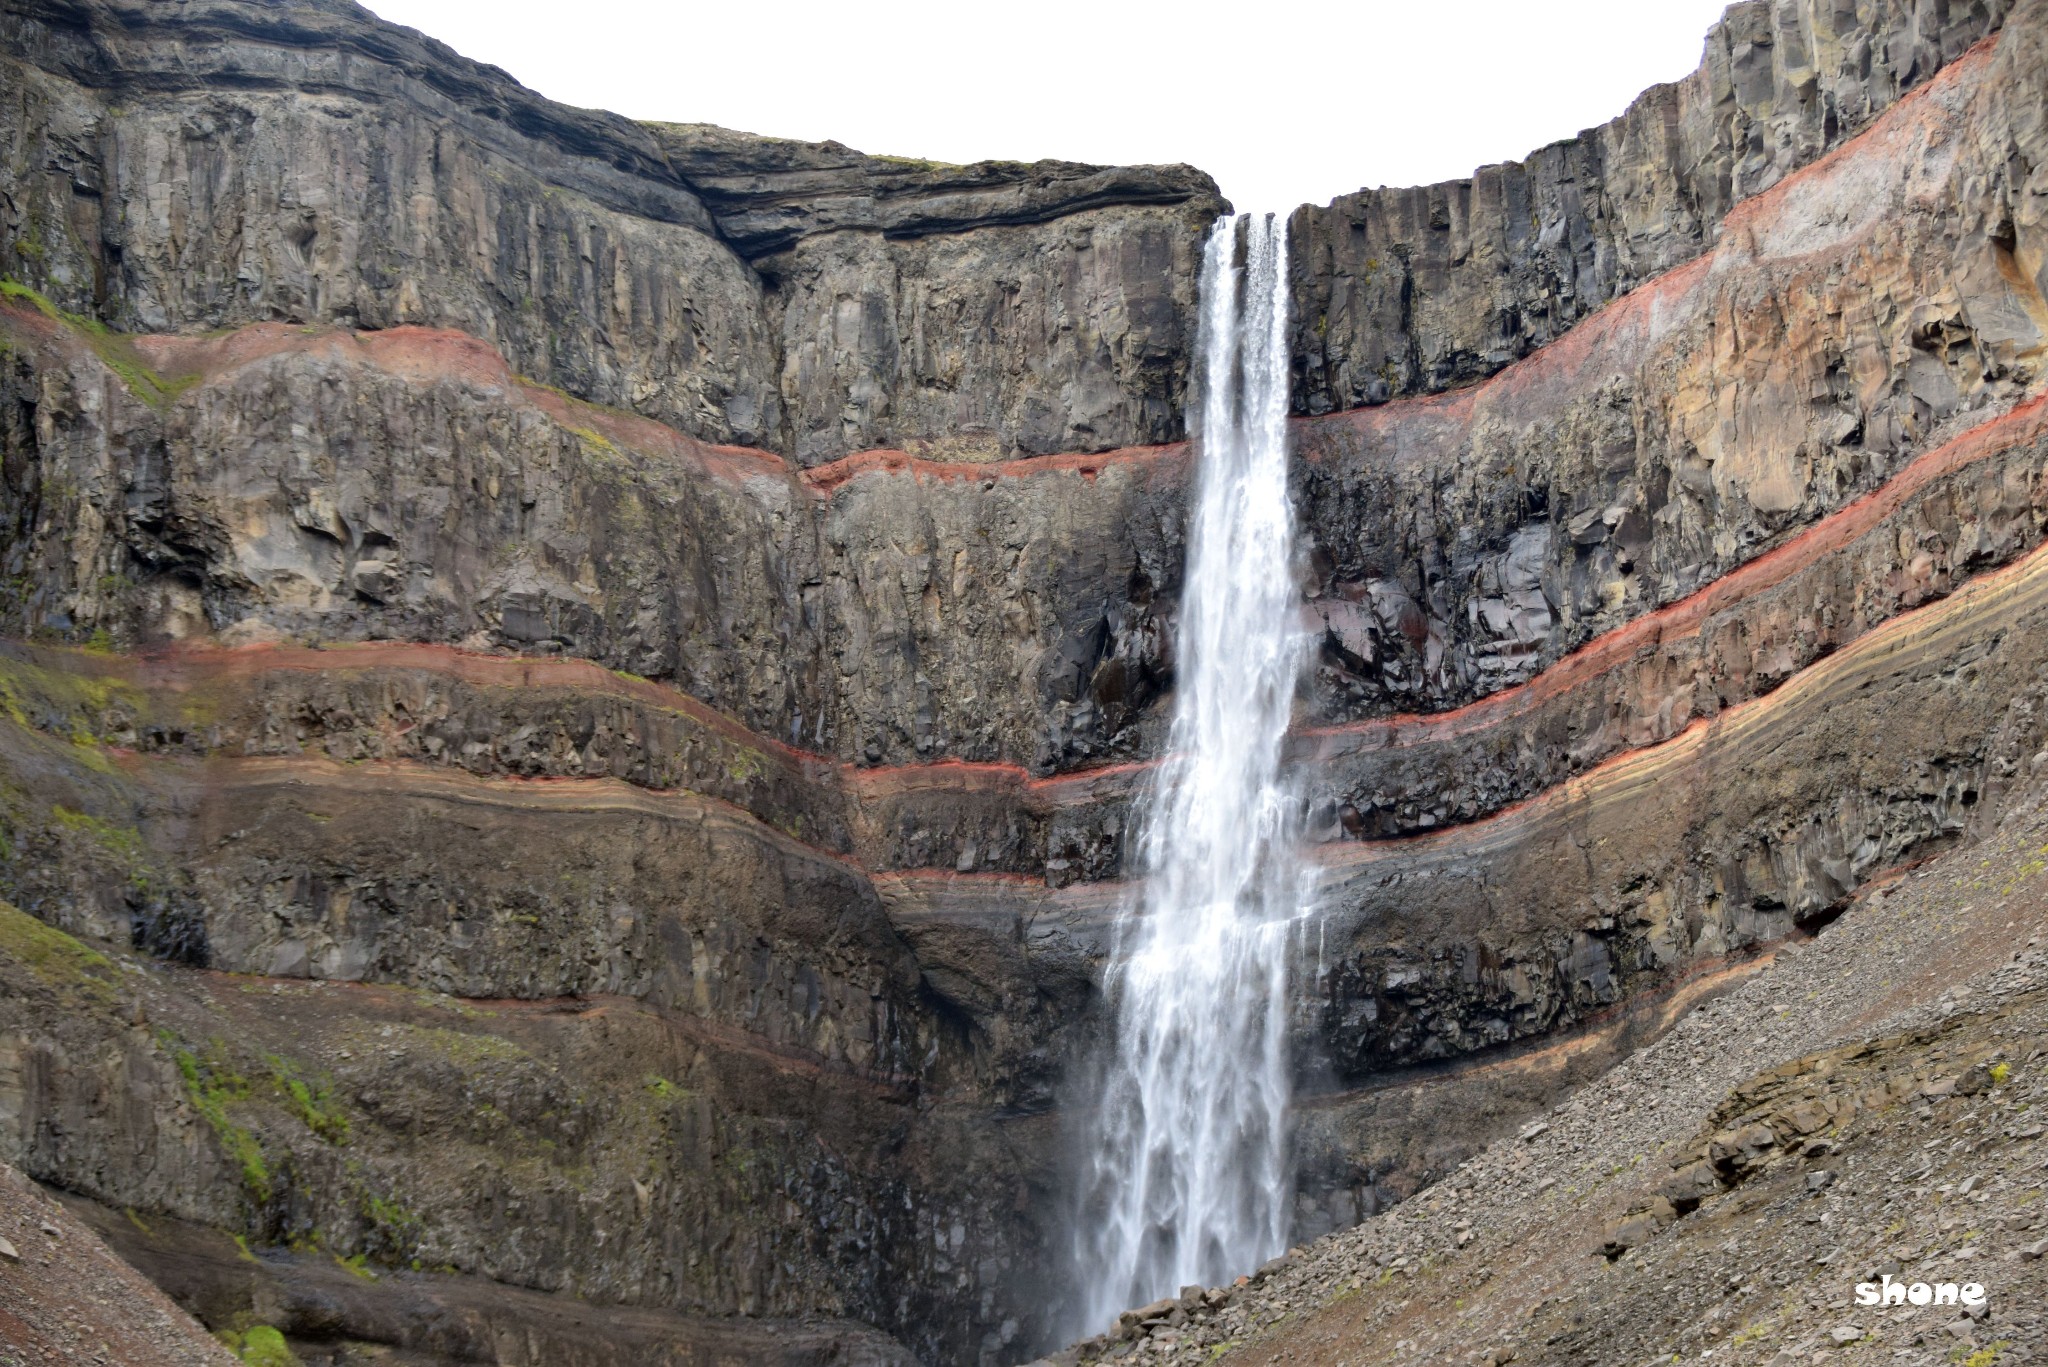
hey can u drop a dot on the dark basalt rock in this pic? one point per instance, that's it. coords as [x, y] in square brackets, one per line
[324, 166]
[1415, 291]
[769, 193]
[770, 958]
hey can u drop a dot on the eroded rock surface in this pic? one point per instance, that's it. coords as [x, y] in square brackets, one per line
[575, 690]
[1407, 291]
[242, 162]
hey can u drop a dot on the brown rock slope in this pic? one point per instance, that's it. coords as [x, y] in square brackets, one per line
[66, 1299]
[1860, 1104]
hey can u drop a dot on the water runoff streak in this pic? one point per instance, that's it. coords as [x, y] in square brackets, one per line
[1188, 1178]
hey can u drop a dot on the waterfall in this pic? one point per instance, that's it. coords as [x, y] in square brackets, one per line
[1186, 1177]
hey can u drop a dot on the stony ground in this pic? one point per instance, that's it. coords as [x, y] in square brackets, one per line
[1868, 1101]
[66, 1300]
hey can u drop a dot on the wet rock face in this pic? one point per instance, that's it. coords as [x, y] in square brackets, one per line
[313, 165]
[1415, 291]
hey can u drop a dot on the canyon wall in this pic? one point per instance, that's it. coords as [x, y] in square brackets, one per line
[573, 690]
[240, 163]
[1415, 291]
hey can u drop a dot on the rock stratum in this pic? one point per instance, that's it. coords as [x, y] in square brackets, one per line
[572, 690]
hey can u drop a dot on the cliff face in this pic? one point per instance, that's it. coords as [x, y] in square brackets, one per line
[239, 163]
[603, 669]
[1415, 291]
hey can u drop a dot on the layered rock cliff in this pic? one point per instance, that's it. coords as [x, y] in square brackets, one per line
[1414, 291]
[237, 163]
[574, 689]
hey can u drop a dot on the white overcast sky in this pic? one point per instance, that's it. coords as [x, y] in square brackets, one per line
[1283, 101]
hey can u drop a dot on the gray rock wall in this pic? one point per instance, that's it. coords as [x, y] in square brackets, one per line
[401, 485]
[1414, 291]
[406, 484]
[860, 974]
[246, 162]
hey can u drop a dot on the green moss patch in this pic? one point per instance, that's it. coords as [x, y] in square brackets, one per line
[259, 1346]
[115, 350]
[312, 1101]
[394, 1229]
[214, 1087]
[122, 842]
[57, 959]
[118, 848]
[664, 1091]
[82, 708]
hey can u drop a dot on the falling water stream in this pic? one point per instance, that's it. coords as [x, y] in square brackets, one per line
[1187, 1178]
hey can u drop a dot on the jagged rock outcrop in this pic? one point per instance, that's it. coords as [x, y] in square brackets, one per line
[881, 611]
[581, 1148]
[1846, 317]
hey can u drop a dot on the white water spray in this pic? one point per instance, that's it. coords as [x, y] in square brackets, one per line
[1188, 1178]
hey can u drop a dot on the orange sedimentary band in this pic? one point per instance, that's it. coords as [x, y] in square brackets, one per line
[182, 668]
[2022, 424]
[398, 1001]
[425, 354]
[1656, 1008]
[1638, 773]
[1002, 898]
[1612, 335]
[1411, 425]
[823, 479]
[565, 795]
[187, 668]
[1642, 771]
[420, 354]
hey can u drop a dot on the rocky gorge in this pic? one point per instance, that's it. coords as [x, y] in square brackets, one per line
[574, 690]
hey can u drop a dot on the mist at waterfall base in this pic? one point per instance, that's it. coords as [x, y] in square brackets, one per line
[1185, 1173]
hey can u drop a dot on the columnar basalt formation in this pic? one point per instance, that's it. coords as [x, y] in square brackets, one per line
[248, 161]
[603, 669]
[1410, 291]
